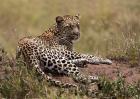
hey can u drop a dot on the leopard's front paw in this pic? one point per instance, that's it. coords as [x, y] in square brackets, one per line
[106, 61]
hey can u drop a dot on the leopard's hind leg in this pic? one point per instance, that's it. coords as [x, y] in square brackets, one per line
[67, 67]
[35, 62]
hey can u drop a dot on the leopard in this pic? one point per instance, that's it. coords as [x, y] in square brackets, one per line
[59, 60]
[53, 51]
[64, 32]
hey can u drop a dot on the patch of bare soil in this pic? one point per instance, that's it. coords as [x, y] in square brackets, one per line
[130, 74]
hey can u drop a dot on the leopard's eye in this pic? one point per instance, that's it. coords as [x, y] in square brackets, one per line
[67, 25]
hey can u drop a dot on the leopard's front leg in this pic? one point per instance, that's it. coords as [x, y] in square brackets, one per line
[90, 59]
[81, 62]
[96, 60]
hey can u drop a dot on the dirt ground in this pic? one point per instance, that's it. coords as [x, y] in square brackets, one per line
[130, 74]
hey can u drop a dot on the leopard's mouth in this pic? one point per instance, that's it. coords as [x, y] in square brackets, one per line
[76, 36]
[73, 36]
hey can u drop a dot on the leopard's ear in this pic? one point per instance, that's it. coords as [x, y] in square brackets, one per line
[78, 16]
[59, 19]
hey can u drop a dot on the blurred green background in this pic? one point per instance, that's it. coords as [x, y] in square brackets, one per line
[105, 24]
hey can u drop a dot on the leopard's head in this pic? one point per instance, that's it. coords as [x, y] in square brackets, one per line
[68, 27]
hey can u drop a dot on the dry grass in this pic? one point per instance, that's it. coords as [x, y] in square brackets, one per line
[20, 83]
